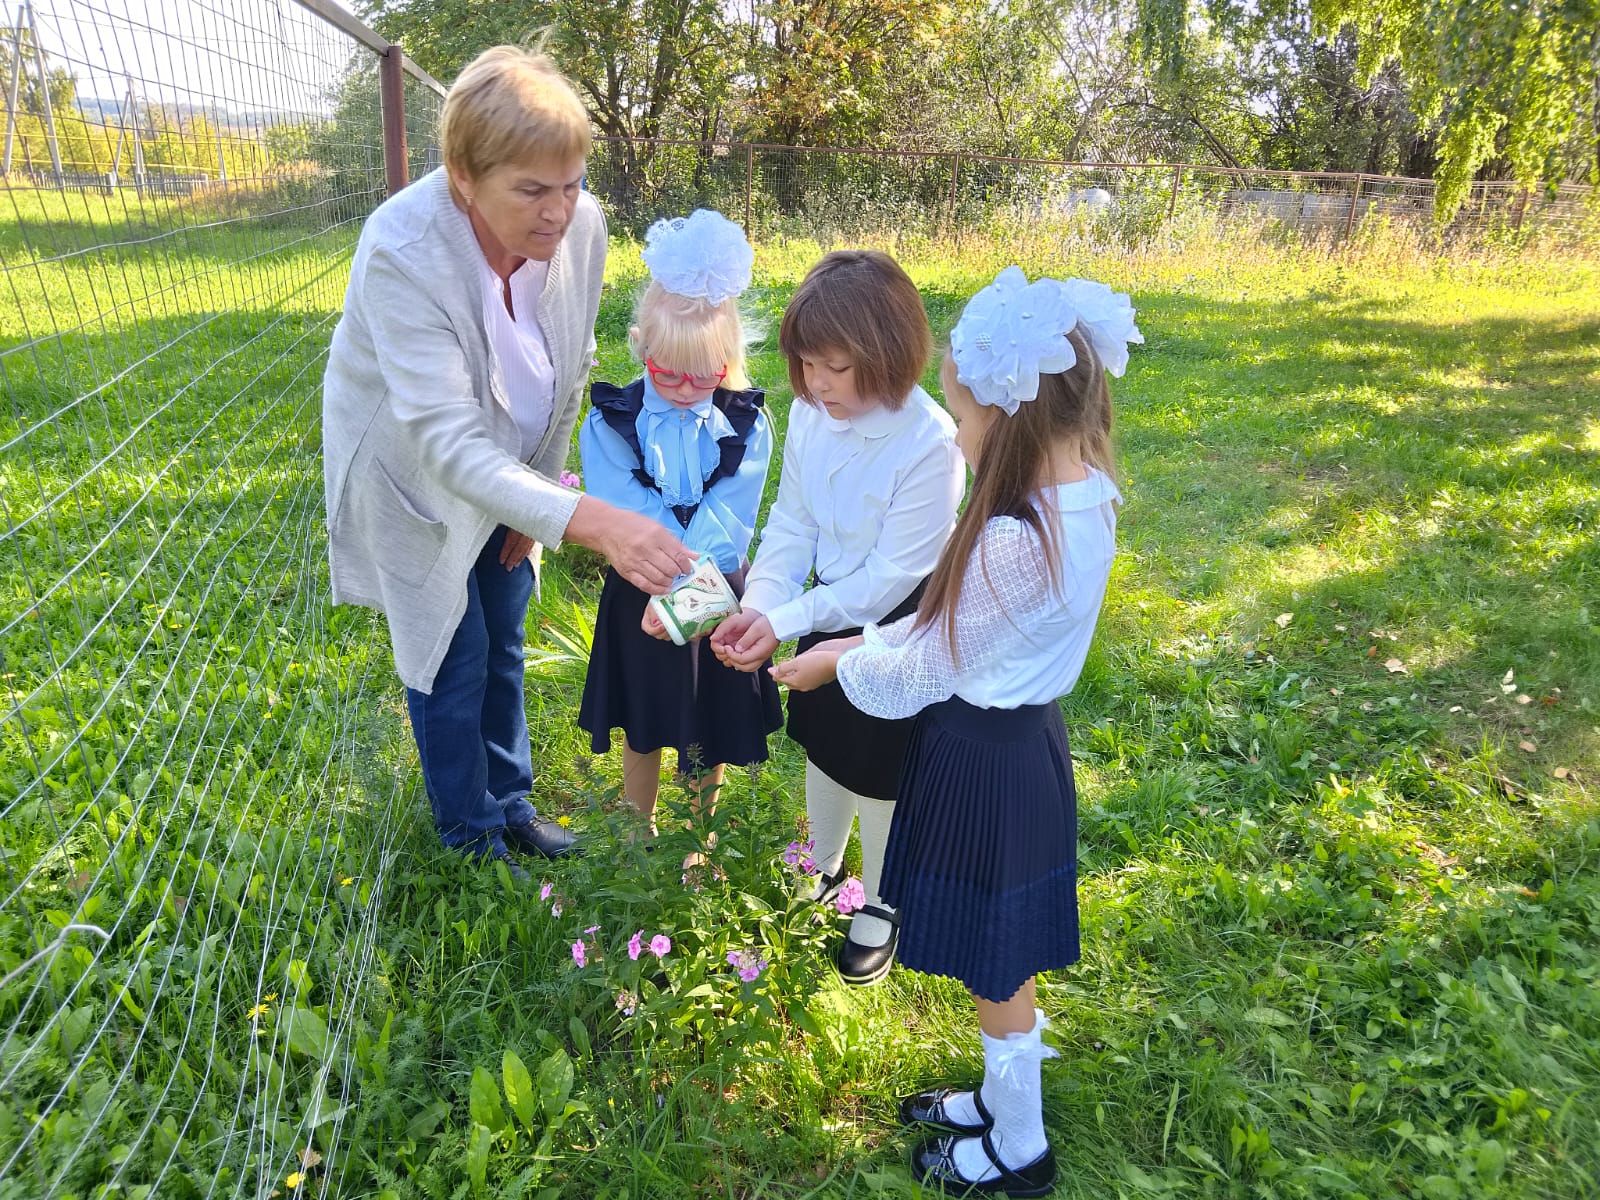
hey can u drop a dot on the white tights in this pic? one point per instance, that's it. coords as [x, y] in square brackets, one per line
[831, 810]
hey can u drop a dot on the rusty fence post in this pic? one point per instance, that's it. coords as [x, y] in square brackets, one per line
[955, 179]
[749, 183]
[1355, 199]
[392, 100]
[1172, 200]
[1522, 209]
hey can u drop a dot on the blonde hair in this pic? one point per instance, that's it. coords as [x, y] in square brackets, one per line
[861, 304]
[511, 105]
[694, 336]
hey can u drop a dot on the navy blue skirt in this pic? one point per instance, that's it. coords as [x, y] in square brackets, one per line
[662, 695]
[982, 860]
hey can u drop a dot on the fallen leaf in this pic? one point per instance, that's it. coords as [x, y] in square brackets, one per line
[1506, 684]
[1551, 700]
[309, 1158]
[1372, 652]
[1282, 620]
[1341, 628]
[1527, 747]
[1524, 698]
[1455, 708]
[1333, 604]
[1395, 666]
[1561, 773]
[1335, 691]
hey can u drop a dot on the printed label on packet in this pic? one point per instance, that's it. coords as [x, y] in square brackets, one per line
[697, 603]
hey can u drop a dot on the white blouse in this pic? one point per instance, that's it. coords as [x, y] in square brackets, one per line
[520, 348]
[1022, 635]
[866, 504]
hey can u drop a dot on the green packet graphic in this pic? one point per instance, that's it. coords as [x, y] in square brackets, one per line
[697, 603]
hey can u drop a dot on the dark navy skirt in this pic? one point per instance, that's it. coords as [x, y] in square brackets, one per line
[982, 858]
[854, 749]
[661, 695]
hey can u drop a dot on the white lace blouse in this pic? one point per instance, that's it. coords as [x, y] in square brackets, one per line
[1022, 635]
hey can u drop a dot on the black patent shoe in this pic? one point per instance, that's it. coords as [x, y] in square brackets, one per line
[539, 836]
[928, 1108]
[502, 855]
[830, 886]
[934, 1165]
[862, 965]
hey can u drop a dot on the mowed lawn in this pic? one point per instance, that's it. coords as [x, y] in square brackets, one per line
[1337, 750]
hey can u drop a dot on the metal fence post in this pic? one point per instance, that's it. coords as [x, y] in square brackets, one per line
[1355, 198]
[12, 90]
[749, 183]
[955, 179]
[1522, 208]
[392, 100]
[45, 102]
[1172, 201]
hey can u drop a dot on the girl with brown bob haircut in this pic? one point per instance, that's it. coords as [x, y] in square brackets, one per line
[871, 480]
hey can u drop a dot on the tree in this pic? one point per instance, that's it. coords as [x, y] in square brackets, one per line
[1492, 79]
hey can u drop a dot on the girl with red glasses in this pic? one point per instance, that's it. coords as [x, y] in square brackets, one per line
[687, 444]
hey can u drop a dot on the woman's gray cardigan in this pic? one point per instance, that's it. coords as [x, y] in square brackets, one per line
[419, 445]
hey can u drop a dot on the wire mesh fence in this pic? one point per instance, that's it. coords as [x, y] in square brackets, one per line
[187, 730]
[197, 802]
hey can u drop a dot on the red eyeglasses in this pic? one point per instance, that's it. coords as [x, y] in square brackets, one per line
[664, 378]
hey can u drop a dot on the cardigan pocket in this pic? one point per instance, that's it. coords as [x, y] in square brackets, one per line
[409, 542]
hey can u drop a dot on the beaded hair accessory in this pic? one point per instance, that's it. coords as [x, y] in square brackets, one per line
[703, 256]
[1014, 331]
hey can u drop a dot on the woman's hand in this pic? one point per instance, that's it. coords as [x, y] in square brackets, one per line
[515, 548]
[744, 641]
[808, 671]
[643, 553]
[652, 625]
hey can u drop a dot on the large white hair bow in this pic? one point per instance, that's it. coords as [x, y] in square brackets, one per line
[1013, 331]
[703, 256]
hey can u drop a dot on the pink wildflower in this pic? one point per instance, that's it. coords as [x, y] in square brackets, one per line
[635, 945]
[570, 479]
[580, 953]
[852, 896]
[660, 945]
[748, 963]
[544, 892]
[627, 1002]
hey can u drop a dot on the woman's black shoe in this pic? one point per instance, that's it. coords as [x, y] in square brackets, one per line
[539, 836]
[934, 1165]
[862, 965]
[928, 1108]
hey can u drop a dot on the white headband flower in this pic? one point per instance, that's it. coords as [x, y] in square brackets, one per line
[703, 256]
[1014, 331]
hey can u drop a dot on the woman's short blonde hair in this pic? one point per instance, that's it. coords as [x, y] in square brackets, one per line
[694, 336]
[511, 105]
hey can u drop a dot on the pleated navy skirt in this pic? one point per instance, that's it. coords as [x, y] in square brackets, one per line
[854, 749]
[662, 695]
[982, 857]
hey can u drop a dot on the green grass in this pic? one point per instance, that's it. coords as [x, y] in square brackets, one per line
[1340, 929]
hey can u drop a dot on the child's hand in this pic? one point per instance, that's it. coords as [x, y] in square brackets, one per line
[744, 641]
[808, 671]
[652, 625]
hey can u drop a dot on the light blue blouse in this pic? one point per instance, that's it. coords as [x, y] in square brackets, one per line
[680, 448]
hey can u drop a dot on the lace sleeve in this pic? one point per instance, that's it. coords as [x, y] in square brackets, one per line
[897, 674]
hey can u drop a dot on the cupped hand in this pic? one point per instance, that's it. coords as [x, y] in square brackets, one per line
[809, 671]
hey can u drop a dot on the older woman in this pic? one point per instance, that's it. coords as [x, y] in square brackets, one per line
[453, 383]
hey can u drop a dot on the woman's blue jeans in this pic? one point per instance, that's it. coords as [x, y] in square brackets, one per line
[472, 731]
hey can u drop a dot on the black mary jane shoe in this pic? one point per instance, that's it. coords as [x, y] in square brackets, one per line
[928, 1108]
[863, 965]
[830, 886]
[541, 836]
[934, 1165]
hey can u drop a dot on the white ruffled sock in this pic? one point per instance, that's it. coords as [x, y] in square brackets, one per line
[1014, 1096]
[876, 817]
[830, 812]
